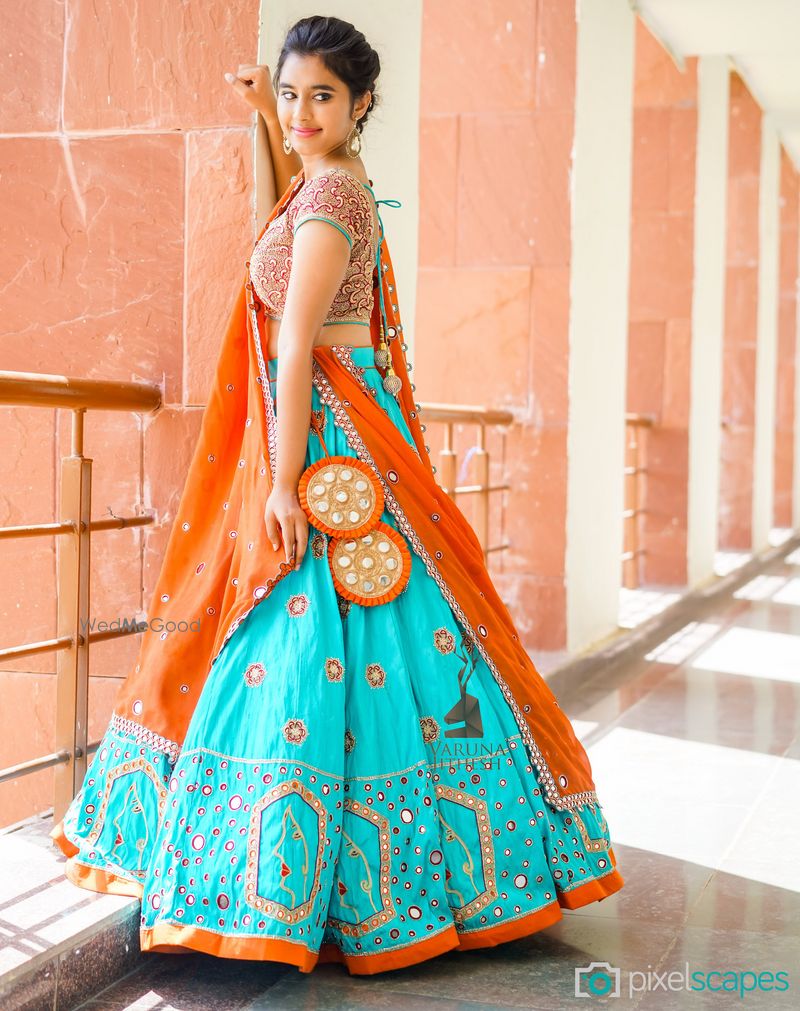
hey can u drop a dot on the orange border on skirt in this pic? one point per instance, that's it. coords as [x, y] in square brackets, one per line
[92, 878]
[172, 938]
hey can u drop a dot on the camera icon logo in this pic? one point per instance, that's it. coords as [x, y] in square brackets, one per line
[597, 979]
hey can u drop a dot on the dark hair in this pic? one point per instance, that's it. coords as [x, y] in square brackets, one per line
[342, 48]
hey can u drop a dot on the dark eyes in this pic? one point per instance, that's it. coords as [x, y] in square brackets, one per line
[321, 94]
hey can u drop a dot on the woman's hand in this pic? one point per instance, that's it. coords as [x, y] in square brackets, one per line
[284, 516]
[253, 85]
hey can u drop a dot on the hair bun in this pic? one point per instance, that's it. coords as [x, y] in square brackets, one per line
[342, 48]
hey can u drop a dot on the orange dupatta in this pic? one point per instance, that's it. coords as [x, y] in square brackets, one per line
[219, 562]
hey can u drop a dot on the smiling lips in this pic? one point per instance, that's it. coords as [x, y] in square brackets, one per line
[304, 132]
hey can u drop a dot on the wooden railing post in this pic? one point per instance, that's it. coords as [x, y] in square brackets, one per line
[635, 470]
[447, 462]
[73, 560]
[480, 512]
[72, 531]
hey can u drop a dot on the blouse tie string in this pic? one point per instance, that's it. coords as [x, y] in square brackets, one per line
[391, 381]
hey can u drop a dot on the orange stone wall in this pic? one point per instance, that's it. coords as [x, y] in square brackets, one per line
[126, 167]
[660, 301]
[497, 122]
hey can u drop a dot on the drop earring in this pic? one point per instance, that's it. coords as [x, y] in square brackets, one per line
[354, 134]
[286, 141]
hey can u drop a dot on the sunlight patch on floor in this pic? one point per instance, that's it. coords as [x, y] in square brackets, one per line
[715, 806]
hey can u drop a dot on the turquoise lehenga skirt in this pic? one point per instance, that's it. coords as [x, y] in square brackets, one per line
[330, 803]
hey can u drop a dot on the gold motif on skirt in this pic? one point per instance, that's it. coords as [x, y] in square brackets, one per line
[295, 731]
[375, 675]
[383, 905]
[254, 675]
[444, 640]
[334, 669]
[429, 728]
[312, 853]
[150, 778]
[297, 604]
[483, 884]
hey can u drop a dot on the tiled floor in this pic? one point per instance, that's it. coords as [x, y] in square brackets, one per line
[39, 908]
[696, 756]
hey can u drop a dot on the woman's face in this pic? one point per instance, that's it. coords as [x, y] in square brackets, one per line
[314, 106]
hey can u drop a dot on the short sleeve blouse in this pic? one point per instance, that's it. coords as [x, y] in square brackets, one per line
[341, 199]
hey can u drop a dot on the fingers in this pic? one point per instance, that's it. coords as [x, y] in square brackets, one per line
[301, 540]
[252, 84]
[289, 541]
[239, 86]
[242, 88]
[247, 74]
[290, 526]
[271, 523]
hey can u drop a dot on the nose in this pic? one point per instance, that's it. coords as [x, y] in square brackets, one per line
[303, 108]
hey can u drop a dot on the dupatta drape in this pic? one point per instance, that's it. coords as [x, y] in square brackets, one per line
[219, 562]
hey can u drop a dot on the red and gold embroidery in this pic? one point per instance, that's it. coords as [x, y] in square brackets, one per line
[319, 419]
[297, 604]
[295, 731]
[429, 728]
[334, 669]
[336, 196]
[444, 640]
[254, 675]
[375, 675]
[318, 544]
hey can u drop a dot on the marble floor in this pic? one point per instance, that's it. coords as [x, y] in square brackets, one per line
[696, 756]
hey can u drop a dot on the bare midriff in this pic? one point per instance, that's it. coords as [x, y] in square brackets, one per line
[353, 334]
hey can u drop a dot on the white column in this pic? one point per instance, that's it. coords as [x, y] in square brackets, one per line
[708, 316]
[796, 454]
[767, 333]
[601, 202]
[390, 141]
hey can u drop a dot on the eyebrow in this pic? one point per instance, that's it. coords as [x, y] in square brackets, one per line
[322, 87]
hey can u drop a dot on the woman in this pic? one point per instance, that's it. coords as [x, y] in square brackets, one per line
[341, 753]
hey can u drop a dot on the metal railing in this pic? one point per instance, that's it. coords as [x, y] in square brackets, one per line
[446, 471]
[73, 532]
[74, 528]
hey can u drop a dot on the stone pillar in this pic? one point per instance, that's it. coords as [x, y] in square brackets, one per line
[786, 472]
[741, 321]
[708, 316]
[766, 336]
[660, 328]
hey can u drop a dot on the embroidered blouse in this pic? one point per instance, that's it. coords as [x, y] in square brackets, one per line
[340, 198]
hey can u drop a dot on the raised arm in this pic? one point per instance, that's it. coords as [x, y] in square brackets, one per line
[254, 86]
